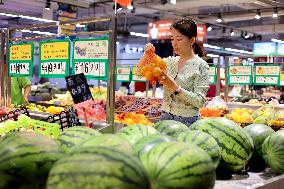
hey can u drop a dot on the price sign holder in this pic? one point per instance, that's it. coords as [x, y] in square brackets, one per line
[90, 56]
[212, 74]
[135, 77]
[79, 88]
[123, 73]
[240, 75]
[54, 58]
[267, 74]
[20, 60]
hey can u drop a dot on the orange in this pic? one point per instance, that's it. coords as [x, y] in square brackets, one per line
[157, 72]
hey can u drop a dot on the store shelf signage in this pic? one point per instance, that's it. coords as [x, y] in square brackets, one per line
[240, 75]
[282, 79]
[264, 49]
[267, 75]
[79, 88]
[54, 58]
[90, 56]
[123, 73]
[135, 77]
[280, 49]
[212, 74]
[21, 59]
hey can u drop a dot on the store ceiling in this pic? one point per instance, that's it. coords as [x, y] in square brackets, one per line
[237, 15]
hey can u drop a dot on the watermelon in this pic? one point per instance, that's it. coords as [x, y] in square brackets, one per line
[258, 133]
[26, 159]
[170, 127]
[204, 141]
[273, 151]
[75, 135]
[100, 168]
[133, 133]
[109, 140]
[236, 145]
[148, 142]
[178, 165]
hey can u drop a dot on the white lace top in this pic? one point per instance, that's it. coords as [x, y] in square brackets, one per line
[194, 81]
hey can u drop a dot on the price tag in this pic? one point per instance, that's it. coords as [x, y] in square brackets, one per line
[123, 73]
[79, 88]
[53, 68]
[212, 74]
[282, 78]
[94, 69]
[240, 79]
[266, 80]
[135, 77]
[21, 59]
[20, 68]
[90, 56]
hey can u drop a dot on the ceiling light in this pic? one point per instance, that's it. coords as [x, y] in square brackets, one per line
[258, 14]
[213, 55]
[47, 5]
[275, 13]
[80, 25]
[209, 28]
[219, 18]
[232, 32]
[139, 34]
[246, 35]
[173, 2]
[277, 40]
[211, 46]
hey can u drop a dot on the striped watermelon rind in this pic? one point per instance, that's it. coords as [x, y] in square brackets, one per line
[148, 142]
[179, 165]
[170, 127]
[133, 133]
[236, 145]
[258, 133]
[75, 135]
[108, 140]
[26, 158]
[273, 151]
[204, 141]
[100, 168]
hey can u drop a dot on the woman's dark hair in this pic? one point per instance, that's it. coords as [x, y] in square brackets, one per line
[188, 28]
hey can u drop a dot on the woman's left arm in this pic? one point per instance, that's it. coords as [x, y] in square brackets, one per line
[197, 97]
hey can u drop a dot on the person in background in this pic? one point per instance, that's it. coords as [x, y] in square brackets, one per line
[20, 90]
[186, 80]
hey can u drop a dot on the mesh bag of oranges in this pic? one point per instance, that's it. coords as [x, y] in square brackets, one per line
[152, 68]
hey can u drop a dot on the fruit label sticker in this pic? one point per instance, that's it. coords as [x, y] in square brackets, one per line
[267, 74]
[240, 74]
[79, 88]
[90, 56]
[282, 79]
[54, 58]
[135, 77]
[212, 74]
[123, 74]
[21, 59]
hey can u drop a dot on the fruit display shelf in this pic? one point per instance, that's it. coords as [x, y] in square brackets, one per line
[262, 180]
[231, 106]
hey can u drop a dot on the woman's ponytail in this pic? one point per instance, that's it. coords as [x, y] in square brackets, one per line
[198, 49]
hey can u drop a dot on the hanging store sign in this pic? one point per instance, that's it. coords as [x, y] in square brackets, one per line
[264, 49]
[90, 56]
[135, 77]
[161, 29]
[54, 58]
[21, 59]
[212, 74]
[123, 74]
[240, 75]
[267, 75]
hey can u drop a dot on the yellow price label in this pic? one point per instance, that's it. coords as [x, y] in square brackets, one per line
[282, 77]
[20, 52]
[54, 50]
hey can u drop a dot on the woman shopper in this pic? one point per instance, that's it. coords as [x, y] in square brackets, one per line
[186, 80]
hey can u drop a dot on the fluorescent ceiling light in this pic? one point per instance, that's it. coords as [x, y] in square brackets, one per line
[139, 34]
[232, 33]
[173, 2]
[80, 26]
[211, 46]
[130, 7]
[275, 13]
[219, 18]
[238, 51]
[213, 55]
[38, 32]
[257, 16]
[277, 40]
[209, 28]
[26, 17]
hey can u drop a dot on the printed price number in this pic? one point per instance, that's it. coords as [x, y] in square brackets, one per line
[268, 80]
[19, 68]
[79, 89]
[240, 79]
[90, 68]
[53, 68]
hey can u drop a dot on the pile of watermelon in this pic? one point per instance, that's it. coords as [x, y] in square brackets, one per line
[166, 156]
